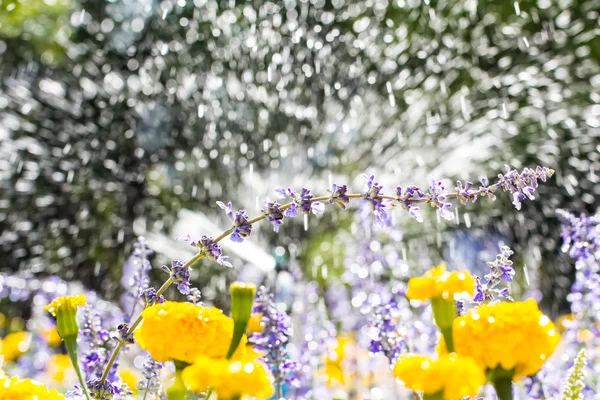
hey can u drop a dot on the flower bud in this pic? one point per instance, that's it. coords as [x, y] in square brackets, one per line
[242, 299]
[64, 309]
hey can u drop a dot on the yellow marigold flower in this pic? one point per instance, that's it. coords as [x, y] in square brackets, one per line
[15, 345]
[65, 303]
[130, 377]
[16, 389]
[184, 331]
[437, 282]
[60, 368]
[51, 335]
[456, 376]
[507, 335]
[240, 376]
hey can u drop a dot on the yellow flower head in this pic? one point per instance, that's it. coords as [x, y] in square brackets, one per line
[65, 303]
[60, 368]
[437, 282]
[15, 345]
[184, 331]
[16, 389]
[508, 335]
[456, 376]
[240, 376]
[130, 377]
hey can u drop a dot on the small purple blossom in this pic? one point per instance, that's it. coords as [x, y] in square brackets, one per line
[209, 249]
[180, 275]
[437, 198]
[242, 229]
[411, 195]
[307, 205]
[371, 193]
[195, 296]
[339, 195]
[300, 203]
[150, 296]
[274, 214]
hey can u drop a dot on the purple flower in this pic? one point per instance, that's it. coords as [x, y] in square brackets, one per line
[307, 205]
[274, 337]
[194, 296]
[291, 211]
[102, 390]
[479, 294]
[411, 195]
[274, 214]
[437, 196]
[240, 222]
[464, 193]
[522, 185]
[283, 193]
[180, 275]
[209, 249]
[150, 296]
[339, 195]
[500, 270]
[384, 331]
[300, 203]
[372, 190]
[135, 277]
[150, 382]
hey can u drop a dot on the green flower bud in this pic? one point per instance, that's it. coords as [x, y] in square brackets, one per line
[64, 309]
[242, 299]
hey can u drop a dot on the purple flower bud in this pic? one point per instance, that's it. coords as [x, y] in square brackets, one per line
[274, 214]
[339, 195]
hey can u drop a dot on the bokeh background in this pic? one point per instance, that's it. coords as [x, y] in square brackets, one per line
[124, 118]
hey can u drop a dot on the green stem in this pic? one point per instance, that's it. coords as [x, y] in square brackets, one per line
[435, 396]
[502, 381]
[178, 390]
[503, 387]
[71, 345]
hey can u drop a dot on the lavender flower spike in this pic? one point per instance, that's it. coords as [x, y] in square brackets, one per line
[274, 337]
[500, 270]
[522, 185]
